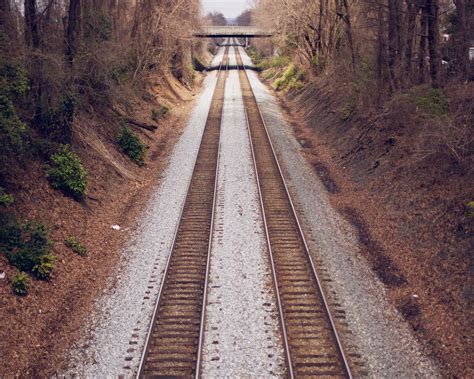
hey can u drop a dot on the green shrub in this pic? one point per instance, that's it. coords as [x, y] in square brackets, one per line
[43, 270]
[5, 198]
[13, 88]
[347, 110]
[318, 62]
[11, 237]
[131, 145]
[12, 131]
[13, 77]
[20, 284]
[75, 245]
[280, 61]
[56, 122]
[364, 77]
[27, 247]
[288, 76]
[120, 74]
[67, 173]
[98, 27]
[297, 85]
[157, 114]
[470, 208]
[255, 56]
[44, 148]
[434, 102]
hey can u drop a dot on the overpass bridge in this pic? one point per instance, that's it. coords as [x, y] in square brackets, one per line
[231, 31]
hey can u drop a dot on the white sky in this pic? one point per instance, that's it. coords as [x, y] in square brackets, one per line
[230, 8]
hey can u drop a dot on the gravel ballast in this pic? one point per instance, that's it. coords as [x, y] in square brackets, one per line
[241, 331]
[117, 328]
[378, 332]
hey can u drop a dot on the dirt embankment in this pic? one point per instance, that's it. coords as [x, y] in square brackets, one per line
[37, 329]
[394, 176]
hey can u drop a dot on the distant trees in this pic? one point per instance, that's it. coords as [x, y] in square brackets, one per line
[216, 19]
[245, 18]
[399, 39]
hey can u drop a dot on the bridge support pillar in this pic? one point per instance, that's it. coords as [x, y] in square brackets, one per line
[246, 41]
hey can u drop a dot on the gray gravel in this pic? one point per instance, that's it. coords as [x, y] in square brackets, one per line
[241, 331]
[119, 322]
[385, 341]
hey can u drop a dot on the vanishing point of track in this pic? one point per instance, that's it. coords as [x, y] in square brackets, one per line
[173, 344]
[312, 345]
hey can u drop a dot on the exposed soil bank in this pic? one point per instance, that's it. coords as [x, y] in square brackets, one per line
[409, 211]
[37, 329]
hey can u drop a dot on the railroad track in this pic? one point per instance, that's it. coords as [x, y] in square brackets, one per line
[173, 345]
[312, 344]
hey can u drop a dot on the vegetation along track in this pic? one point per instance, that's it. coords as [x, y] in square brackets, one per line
[174, 340]
[313, 347]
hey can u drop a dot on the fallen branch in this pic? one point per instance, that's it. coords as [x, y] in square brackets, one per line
[141, 124]
[134, 122]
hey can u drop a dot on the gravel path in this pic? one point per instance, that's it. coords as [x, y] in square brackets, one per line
[117, 328]
[381, 336]
[241, 325]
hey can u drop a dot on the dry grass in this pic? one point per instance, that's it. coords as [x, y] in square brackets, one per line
[90, 138]
[445, 137]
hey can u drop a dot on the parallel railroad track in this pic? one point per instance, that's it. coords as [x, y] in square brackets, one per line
[312, 344]
[173, 345]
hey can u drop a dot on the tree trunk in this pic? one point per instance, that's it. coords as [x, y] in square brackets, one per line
[463, 46]
[347, 20]
[72, 32]
[393, 33]
[32, 38]
[423, 37]
[381, 44]
[342, 10]
[412, 10]
[433, 41]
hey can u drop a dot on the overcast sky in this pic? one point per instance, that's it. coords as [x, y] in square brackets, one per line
[230, 8]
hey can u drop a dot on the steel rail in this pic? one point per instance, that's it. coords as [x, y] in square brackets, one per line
[269, 246]
[167, 267]
[211, 232]
[315, 275]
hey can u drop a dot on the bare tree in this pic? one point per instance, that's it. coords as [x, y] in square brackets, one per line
[462, 7]
[32, 37]
[432, 10]
[73, 27]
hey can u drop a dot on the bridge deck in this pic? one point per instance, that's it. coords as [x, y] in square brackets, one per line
[231, 31]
